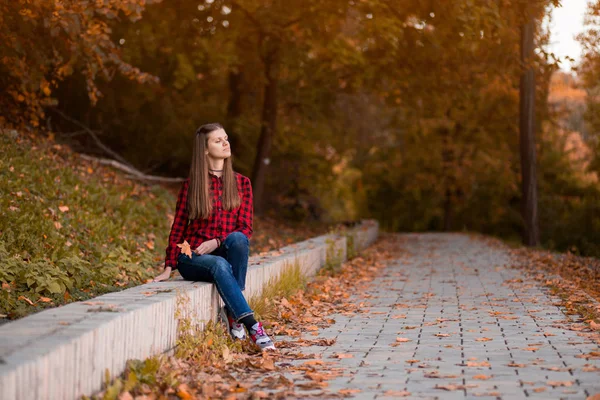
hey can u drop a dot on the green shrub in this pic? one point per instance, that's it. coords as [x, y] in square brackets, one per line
[70, 232]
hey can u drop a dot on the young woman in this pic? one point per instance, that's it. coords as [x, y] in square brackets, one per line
[214, 215]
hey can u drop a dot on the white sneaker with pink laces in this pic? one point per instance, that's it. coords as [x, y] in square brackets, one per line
[258, 336]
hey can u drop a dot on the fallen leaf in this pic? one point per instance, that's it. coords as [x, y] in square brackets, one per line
[594, 326]
[513, 364]
[483, 339]
[26, 299]
[590, 368]
[437, 375]
[395, 393]
[185, 248]
[45, 299]
[531, 348]
[454, 387]
[183, 392]
[342, 355]
[403, 340]
[482, 377]
[63, 208]
[476, 364]
[559, 383]
[594, 397]
[57, 225]
[442, 334]
[349, 391]
[539, 390]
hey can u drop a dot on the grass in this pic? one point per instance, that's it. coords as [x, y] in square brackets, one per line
[69, 232]
[287, 284]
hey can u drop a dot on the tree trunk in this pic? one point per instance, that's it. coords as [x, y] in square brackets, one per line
[448, 211]
[527, 137]
[267, 129]
[234, 105]
[234, 108]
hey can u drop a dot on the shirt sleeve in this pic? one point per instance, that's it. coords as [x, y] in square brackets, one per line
[244, 220]
[178, 227]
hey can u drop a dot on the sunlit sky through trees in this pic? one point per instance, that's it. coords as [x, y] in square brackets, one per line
[567, 22]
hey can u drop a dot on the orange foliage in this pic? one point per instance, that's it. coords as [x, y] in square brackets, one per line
[44, 41]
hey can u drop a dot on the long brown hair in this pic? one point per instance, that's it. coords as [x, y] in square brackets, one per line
[199, 203]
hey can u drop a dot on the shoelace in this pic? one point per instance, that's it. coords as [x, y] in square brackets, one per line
[260, 331]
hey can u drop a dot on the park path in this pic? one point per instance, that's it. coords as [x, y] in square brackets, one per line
[452, 320]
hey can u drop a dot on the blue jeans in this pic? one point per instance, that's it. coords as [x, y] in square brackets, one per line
[225, 267]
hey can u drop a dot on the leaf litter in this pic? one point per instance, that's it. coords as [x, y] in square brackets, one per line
[240, 371]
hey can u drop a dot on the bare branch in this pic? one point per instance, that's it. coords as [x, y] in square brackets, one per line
[133, 173]
[107, 149]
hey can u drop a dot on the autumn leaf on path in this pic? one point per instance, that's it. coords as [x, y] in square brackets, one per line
[185, 248]
[487, 394]
[437, 375]
[342, 355]
[395, 393]
[559, 383]
[349, 391]
[590, 368]
[183, 392]
[483, 339]
[454, 387]
[483, 377]
[475, 364]
[403, 340]
[594, 326]
[516, 365]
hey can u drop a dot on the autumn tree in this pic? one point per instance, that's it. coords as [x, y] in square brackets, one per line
[42, 42]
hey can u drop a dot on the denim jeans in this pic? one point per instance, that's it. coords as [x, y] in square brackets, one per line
[225, 267]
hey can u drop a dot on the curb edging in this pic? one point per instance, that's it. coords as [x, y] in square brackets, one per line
[63, 352]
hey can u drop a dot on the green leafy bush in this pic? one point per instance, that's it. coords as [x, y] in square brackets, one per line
[71, 230]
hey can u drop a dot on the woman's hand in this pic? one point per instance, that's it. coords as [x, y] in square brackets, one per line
[166, 274]
[207, 247]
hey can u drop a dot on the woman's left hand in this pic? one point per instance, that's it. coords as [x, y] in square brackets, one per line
[207, 247]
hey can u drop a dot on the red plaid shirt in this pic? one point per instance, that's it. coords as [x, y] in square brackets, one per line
[220, 223]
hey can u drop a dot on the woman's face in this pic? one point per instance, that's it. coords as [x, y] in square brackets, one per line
[218, 145]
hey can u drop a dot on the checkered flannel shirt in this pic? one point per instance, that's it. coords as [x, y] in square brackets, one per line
[220, 224]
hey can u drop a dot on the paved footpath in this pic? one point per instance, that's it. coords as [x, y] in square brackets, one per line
[452, 314]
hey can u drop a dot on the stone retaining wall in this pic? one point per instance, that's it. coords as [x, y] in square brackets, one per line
[63, 353]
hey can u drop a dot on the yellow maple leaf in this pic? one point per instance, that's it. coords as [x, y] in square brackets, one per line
[185, 248]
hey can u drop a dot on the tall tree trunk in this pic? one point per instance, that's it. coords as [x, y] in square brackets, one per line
[234, 106]
[527, 137]
[267, 129]
[448, 210]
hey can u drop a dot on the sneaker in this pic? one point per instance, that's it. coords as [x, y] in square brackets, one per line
[236, 330]
[258, 335]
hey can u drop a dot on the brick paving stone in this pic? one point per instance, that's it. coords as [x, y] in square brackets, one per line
[467, 313]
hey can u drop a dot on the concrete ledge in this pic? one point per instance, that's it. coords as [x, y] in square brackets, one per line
[63, 353]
